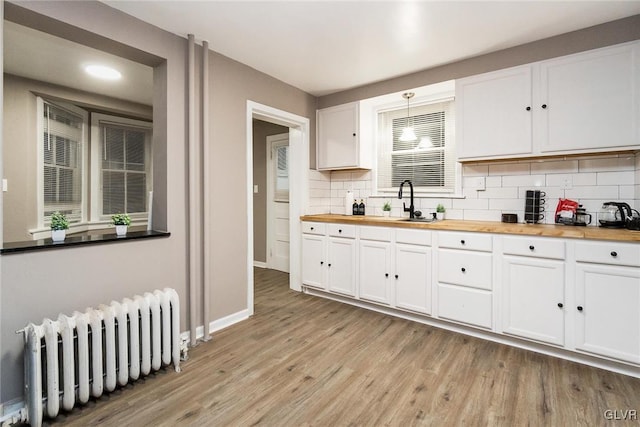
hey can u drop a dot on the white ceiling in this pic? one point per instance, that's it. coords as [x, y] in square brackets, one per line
[323, 47]
[36, 55]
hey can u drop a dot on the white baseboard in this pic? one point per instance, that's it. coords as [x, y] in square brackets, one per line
[260, 264]
[229, 320]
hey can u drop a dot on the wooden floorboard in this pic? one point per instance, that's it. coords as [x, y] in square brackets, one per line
[307, 361]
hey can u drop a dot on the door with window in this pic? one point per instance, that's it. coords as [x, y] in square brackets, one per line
[278, 202]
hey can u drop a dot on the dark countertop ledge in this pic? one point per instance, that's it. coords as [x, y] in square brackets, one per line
[74, 241]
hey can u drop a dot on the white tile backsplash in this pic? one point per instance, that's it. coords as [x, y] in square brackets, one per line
[592, 181]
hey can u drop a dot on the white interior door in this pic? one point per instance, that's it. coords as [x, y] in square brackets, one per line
[278, 202]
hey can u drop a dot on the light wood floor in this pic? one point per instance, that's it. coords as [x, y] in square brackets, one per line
[307, 361]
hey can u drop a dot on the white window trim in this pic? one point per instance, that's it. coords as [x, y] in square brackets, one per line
[96, 175]
[40, 153]
[437, 92]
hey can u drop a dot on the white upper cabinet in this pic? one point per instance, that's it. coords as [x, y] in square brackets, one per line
[582, 103]
[339, 144]
[589, 101]
[492, 109]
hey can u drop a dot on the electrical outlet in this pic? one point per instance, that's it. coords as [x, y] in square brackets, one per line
[566, 184]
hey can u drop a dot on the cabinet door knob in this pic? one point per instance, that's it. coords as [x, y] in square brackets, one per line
[396, 276]
[528, 108]
[386, 274]
[312, 228]
[321, 262]
[544, 106]
[354, 134]
[614, 254]
[462, 242]
[340, 231]
[463, 269]
[531, 247]
[580, 308]
[560, 305]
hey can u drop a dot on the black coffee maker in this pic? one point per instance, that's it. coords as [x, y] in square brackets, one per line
[614, 214]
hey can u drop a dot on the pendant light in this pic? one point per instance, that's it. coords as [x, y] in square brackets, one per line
[408, 134]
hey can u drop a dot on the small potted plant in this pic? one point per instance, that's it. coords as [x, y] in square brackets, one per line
[386, 209]
[122, 222]
[59, 226]
[440, 211]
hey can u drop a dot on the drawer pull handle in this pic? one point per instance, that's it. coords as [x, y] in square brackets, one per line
[560, 305]
[386, 274]
[614, 254]
[528, 108]
[396, 276]
[531, 247]
[580, 308]
[462, 242]
[329, 265]
[463, 269]
[544, 106]
[340, 231]
[311, 228]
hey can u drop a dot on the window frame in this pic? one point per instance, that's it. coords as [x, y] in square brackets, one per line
[40, 204]
[96, 167]
[431, 94]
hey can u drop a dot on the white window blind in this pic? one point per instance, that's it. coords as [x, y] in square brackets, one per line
[281, 155]
[429, 161]
[124, 168]
[63, 145]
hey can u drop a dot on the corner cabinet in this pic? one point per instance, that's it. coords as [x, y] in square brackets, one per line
[588, 102]
[338, 141]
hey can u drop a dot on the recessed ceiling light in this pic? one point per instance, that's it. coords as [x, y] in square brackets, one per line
[103, 72]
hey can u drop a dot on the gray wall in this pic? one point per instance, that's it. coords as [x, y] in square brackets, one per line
[260, 132]
[607, 34]
[43, 284]
[20, 151]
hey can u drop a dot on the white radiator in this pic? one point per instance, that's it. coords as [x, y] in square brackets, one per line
[71, 359]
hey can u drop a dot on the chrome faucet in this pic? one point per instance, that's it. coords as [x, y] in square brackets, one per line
[404, 206]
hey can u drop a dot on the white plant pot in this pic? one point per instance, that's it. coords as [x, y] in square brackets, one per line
[58, 235]
[439, 216]
[386, 213]
[121, 230]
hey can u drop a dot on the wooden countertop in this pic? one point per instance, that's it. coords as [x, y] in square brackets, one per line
[592, 233]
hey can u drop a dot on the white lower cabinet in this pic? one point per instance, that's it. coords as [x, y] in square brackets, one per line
[607, 311]
[341, 265]
[533, 300]
[413, 277]
[375, 271]
[579, 295]
[314, 260]
[466, 305]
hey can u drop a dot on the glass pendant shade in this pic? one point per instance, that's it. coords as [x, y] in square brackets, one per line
[408, 134]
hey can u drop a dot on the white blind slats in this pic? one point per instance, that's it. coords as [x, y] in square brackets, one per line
[124, 180]
[62, 162]
[429, 161]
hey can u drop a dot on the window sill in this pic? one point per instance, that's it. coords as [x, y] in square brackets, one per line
[78, 240]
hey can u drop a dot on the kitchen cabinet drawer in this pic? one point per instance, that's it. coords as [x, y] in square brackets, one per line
[472, 269]
[469, 241]
[341, 230]
[413, 237]
[382, 234]
[534, 247]
[313, 228]
[471, 306]
[613, 253]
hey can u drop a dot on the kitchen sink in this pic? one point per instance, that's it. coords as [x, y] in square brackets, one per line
[424, 219]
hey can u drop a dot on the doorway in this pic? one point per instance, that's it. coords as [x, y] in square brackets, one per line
[298, 152]
[278, 202]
